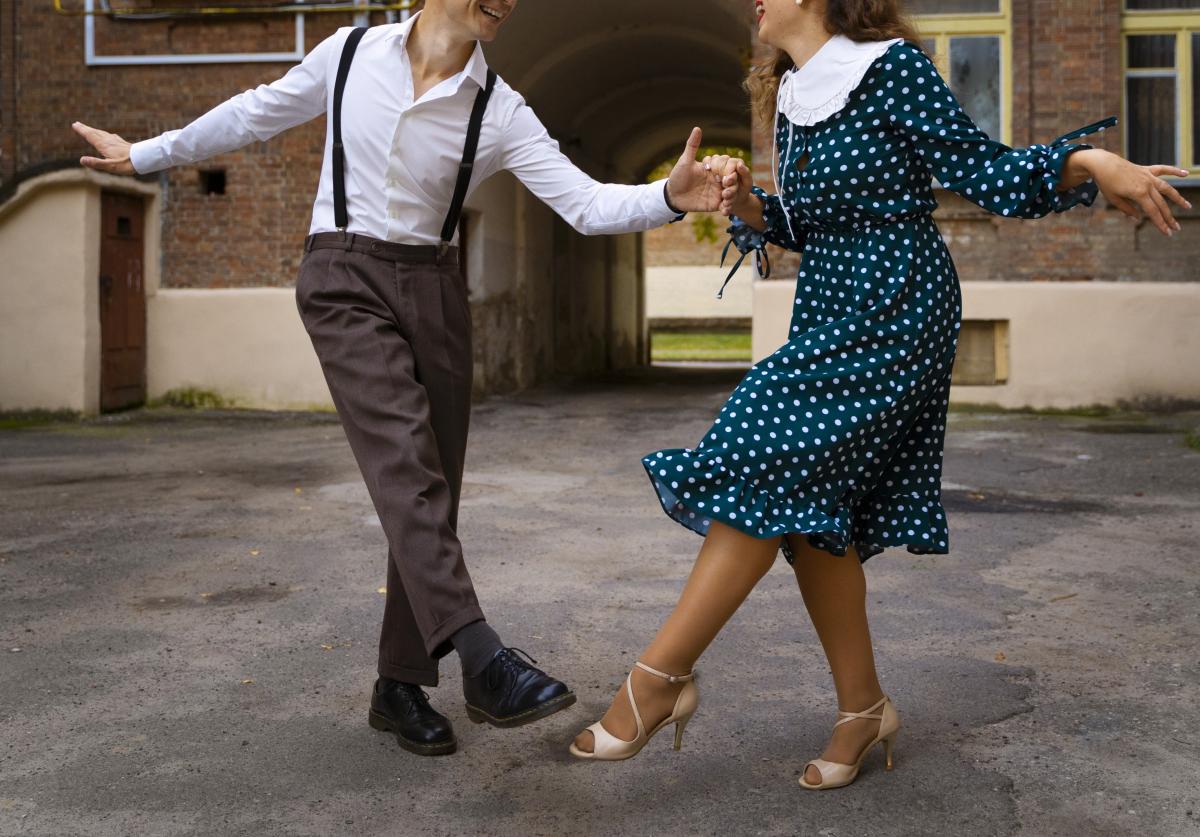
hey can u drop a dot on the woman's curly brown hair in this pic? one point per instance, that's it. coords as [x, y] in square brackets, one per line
[858, 20]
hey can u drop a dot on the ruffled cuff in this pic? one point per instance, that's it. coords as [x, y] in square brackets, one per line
[1060, 201]
[1056, 158]
[781, 229]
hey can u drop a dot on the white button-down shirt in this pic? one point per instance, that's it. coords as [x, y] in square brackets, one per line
[402, 155]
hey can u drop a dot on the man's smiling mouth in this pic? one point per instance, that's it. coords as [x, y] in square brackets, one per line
[490, 12]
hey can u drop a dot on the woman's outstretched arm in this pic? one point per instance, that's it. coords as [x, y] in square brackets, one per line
[1015, 182]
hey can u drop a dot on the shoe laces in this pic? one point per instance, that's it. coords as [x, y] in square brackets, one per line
[510, 662]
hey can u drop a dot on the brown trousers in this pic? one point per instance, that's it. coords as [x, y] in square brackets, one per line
[391, 325]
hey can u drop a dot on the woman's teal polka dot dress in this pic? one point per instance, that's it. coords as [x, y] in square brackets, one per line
[838, 435]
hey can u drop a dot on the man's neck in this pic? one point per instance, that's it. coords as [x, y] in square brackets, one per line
[437, 49]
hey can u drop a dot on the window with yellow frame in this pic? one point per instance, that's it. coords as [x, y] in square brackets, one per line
[971, 42]
[1162, 82]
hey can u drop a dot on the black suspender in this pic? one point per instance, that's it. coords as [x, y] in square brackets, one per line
[468, 160]
[465, 168]
[340, 219]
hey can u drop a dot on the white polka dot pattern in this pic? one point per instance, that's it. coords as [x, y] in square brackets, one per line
[839, 434]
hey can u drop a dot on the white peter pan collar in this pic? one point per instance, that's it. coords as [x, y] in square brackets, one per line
[822, 87]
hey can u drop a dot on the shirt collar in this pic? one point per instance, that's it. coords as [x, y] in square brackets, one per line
[477, 67]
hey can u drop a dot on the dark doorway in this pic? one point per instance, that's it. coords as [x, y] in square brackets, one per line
[122, 303]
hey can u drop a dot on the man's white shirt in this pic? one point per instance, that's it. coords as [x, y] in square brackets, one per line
[402, 156]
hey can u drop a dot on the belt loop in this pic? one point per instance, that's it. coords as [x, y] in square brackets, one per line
[347, 240]
[308, 244]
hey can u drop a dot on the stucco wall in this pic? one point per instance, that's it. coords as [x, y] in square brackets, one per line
[248, 345]
[49, 279]
[46, 322]
[1071, 344]
[690, 292]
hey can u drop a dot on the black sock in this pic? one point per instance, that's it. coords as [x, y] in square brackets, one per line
[476, 644]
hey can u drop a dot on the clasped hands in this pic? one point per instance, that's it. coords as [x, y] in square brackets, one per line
[718, 183]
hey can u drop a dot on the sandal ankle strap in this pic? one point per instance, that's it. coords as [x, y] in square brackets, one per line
[866, 714]
[670, 678]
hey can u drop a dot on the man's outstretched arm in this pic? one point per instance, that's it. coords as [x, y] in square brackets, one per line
[595, 208]
[257, 114]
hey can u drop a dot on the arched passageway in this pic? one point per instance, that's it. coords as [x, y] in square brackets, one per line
[619, 84]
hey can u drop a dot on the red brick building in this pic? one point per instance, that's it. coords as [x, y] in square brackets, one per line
[618, 84]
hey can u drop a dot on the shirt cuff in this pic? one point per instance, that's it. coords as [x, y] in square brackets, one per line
[657, 209]
[148, 156]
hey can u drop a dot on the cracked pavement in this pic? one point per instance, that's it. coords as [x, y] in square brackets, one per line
[194, 597]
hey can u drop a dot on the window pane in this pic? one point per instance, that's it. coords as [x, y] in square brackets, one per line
[1151, 127]
[1142, 5]
[1151, 51]
[950, 7]
[975, 80]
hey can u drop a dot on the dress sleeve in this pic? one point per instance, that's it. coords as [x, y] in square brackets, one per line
[781, 230]
[1016, 182]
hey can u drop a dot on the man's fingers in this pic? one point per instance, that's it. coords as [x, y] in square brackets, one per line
[692, 149]
[92, 135]
[96, 163]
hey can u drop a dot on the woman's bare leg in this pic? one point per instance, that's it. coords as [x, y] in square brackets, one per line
[728, 567]
[835, 593]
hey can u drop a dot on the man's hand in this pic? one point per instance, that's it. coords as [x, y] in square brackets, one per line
[694, 186]
[114, 151]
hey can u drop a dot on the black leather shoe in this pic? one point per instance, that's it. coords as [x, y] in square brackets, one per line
[404, 709]
[510, 692]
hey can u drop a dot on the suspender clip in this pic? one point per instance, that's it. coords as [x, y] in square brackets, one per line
[442, 248]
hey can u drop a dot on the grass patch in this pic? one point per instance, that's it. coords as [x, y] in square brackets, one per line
[1192, 440]
[21, 419]
[190, 398]
[700, 346]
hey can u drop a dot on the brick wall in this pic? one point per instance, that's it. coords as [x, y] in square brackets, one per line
[252, 234]
[678, 245]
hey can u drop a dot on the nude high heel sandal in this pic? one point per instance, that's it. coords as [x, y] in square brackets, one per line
[607, 747]
[834, 775]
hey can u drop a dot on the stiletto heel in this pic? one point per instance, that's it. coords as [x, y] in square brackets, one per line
[834, 775]
[888, 743]
[680, 726]
[607, 747]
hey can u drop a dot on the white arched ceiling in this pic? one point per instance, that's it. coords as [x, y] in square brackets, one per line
[620, 83]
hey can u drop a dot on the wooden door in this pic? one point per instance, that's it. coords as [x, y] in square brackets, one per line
[122, 303]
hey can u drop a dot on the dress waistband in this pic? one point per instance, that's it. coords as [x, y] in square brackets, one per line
[408, 253]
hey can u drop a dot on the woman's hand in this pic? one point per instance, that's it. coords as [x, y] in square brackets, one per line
[736, 181]
[1135, 190]
[114, 151]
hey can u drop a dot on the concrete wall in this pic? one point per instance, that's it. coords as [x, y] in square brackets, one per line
[248, 345]
[1071, 344]
[50, 257]
[690, 293]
